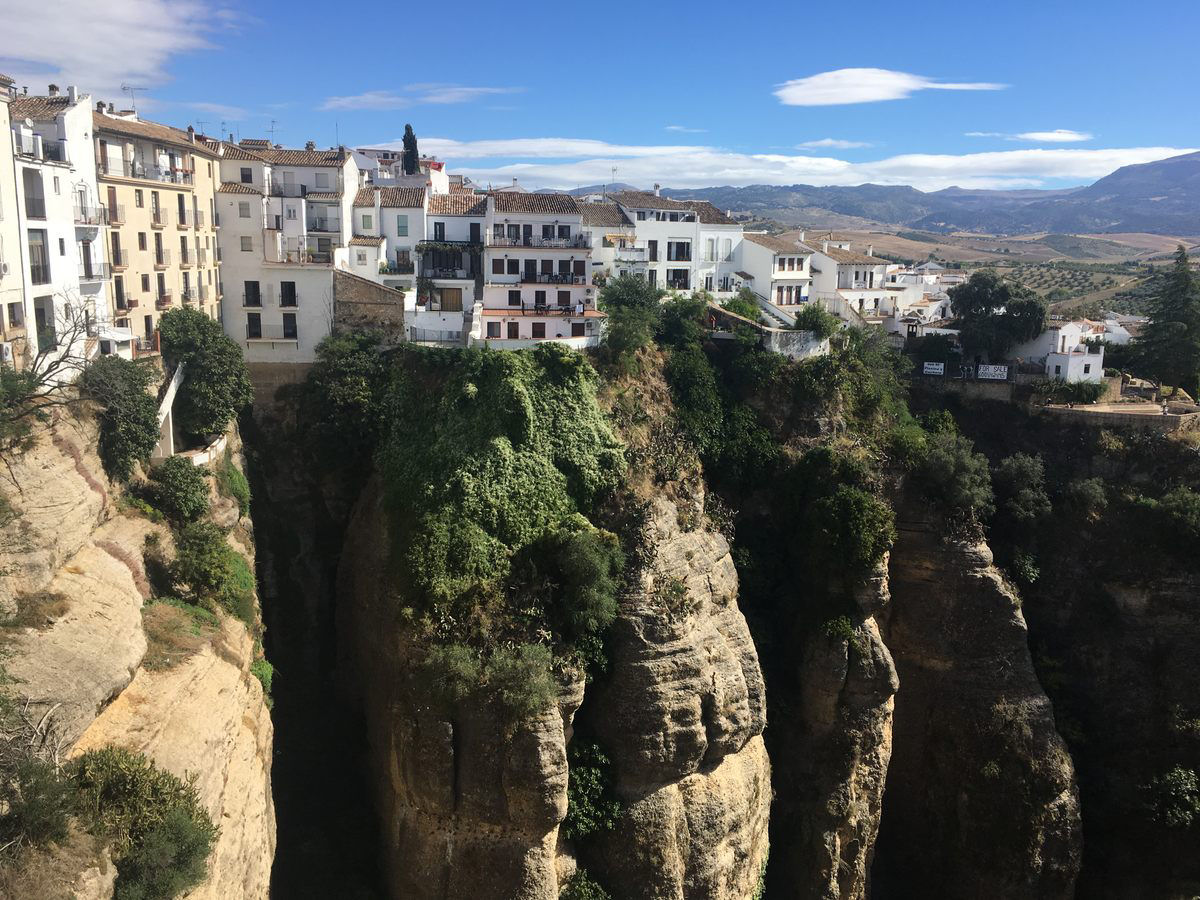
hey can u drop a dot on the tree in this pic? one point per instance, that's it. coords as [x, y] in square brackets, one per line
[345, 398]
[1168, 350]
[743, 304]
[995, 314]
[633, 307]
[216, 384]
[128, 414]
[815, 318]
[411, 156]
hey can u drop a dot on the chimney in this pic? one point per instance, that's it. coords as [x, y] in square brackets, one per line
[801, 238]
[231, 140]
[870, 249]
[72, 92]
[310, 146]
[657, 189]
[100, 106]
[191, 135]
[52, 90]
[824, 246]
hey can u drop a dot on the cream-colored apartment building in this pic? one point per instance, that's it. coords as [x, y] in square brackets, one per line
[12, 293]
[159, 186]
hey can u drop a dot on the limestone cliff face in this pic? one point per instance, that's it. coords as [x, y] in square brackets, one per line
[83, 671]
[841, 738]
[682, 716]
[470, 809]
[981, 797]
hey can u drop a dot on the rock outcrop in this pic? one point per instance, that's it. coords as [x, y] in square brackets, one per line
[471, 808]
[981, 799]
[682, 715]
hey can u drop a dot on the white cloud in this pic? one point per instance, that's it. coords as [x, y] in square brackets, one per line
[565, 163]
[540, 148]
[414, 94]
[1057, 136]
[843, 86]
[233, 113]
[832, 144]
[100, 46]
[684, 129]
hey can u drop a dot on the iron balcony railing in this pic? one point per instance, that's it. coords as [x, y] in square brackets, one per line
[575, 241]
[552, 278]
[163, 300]
[96, 271]
[28, 145]
[396, 268]
[199, 217]
[91, 215]
[125, 169]
[205, 292]
[158, 218]
[185, 256]
[188, 295]
[120, 259]
[185, 219]
[325, 224]
[116, 214]
[287, 190]
[162, 259]
[202, 257]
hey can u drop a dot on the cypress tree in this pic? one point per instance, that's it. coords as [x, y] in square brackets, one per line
[410, 151]
[1168, 349]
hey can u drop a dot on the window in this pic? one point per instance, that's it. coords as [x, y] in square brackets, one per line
[57, 188]
[577, 329]
[514, 267]
[641, 215]
[39, 258]
[322, 179]
[290, 211]
[402, 226]
[710, 249]
[493, 329]
[141, 240]
[138, 200]
[439, 231]
[244, 209]
[368, 221]
[779, 294]
[497, 266]
[289, 325]
[247, 243]
[252, 295]
[16, 315]
[362, 257]
[247, 175]
[514, 330]
[514, 298]
[539, 329]
[145, 284]
[564, 298]
[564, 232]
[287, 293]
[210, 170]
[62, 247]
[539, 298]
[119, 291]
[1058, 370]
[547, 267]
[253, 325]
[1087, 368]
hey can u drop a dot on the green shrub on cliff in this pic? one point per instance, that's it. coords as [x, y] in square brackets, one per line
[583, 886]
[178, 488]
[345, 395]
[955, 477]
[128, 415]
[216, 384]
[1174, 798]
[592, 806]
[207, 570]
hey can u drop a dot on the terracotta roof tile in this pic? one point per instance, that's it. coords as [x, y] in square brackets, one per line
[457, 205]
[606, 215]
[556, 204]
[151, 131]
[255, 143]
[709, 214]
[398, 197]
[233, 151]
[647, 200]
[236, 187]
[323, 196]
[335, 158]
[366, 240]
[40, 108]
[850, 257]
[775, 244]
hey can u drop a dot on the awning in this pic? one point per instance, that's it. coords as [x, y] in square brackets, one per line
[620, 236]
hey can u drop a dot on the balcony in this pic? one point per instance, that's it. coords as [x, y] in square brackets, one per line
[39, 273]
[202, 257]
[91, 215]
[185, 219]
[630, 254]
[445, 273]
[162, 259]
[289, 301]
[552, 278]
[205, 293]
[186, 257]
[131, 303]
[116, 214]
[35, 208]
[287, 190]
[188, 295]
[158, 218]
[120, 259]
[273, 334]
[574, 242]
[252, 300]
[325, 225]
[94, 271]
[38, 147]
[199, 217]
[396, 268]
[163, 300]
[124, 169]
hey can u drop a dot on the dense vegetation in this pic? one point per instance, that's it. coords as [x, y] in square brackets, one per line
[994, 315]
[128, 415]
[216, 386]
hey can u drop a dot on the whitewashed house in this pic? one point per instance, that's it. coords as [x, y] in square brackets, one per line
[616, 249]
[777, 269]
[853, 283]
[13, 332]
[1063, 350]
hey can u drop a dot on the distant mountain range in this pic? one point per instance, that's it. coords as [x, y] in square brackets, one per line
[1160, 197]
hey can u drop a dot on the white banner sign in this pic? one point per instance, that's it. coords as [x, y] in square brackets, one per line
[935, 368]
[994, 373]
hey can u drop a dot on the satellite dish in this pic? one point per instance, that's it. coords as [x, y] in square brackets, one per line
[28, 122]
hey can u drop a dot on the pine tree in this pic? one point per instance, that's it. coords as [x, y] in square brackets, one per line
[410, 151]
[1168, 349]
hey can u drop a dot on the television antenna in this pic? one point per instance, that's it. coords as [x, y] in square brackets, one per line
[271, 131]
[201, 123]
[130, 90]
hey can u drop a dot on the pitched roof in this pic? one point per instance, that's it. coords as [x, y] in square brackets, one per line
[606, 214]
[457, 205]
[647, 200]
[151, 131]
[335, 158]
[26, 107]
[323, 196]
[555, 204]
[366, 240]
[255, 143]
[400, 197]
[236, 187]
[775, 244]
[849, 256]
[233, 151]
[709, 214]
[815, 237]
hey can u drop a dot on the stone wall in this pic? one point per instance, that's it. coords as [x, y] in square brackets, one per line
[359, 303]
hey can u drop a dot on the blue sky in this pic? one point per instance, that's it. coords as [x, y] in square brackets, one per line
[1007, 94]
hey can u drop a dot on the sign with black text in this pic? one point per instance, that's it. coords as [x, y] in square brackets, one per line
[993, 373]
[932, 368]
